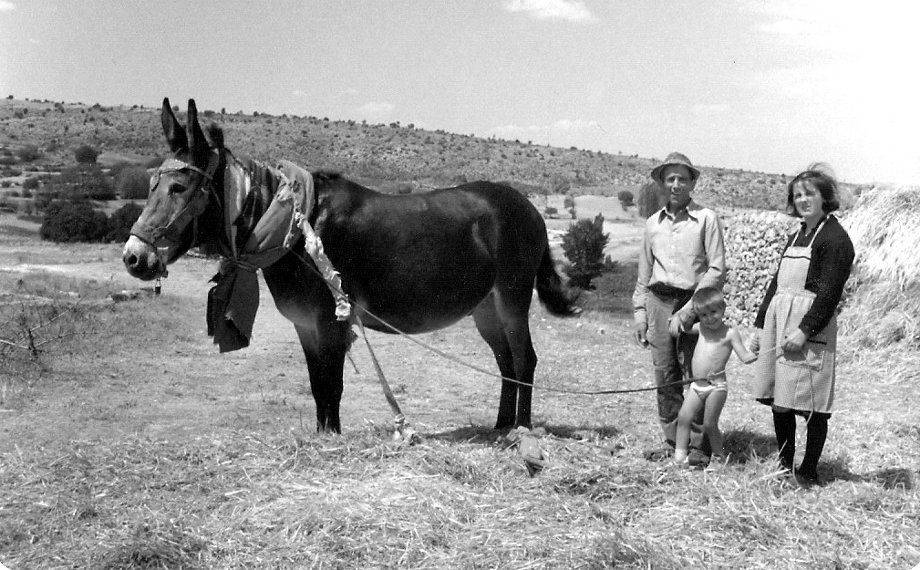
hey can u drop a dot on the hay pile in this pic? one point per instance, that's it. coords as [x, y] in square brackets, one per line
[883, 227]
[884, 307]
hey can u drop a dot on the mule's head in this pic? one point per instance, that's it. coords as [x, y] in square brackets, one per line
[179, 193]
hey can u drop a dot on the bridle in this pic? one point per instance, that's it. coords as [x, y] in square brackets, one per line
[171, 233]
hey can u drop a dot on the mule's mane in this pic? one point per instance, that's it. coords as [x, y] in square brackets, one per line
[325, 177]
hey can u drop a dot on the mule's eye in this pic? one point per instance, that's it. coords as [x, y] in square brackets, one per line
[176, 188]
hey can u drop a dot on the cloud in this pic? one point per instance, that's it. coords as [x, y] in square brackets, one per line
[786, 27]
[6, 6]
[569, 10]
[574, 125]
[376, 109]
[711, 109]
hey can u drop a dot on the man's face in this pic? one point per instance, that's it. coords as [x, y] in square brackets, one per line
[676, 179]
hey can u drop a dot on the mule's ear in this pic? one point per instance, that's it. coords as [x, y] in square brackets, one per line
[175, 134]
[198, 144]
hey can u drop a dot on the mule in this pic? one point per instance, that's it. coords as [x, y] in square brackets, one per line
[416, 263]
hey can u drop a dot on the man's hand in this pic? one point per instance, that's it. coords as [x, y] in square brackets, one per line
[641, 331]
[794, 341]
[680, 322]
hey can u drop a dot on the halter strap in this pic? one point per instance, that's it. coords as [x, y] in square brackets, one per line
[171, 231]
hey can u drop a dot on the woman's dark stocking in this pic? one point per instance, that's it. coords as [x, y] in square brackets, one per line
[784, 425]
[814, 445]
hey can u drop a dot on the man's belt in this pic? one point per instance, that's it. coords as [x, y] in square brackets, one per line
[669, 292]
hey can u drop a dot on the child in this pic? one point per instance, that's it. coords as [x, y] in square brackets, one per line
[713, 349]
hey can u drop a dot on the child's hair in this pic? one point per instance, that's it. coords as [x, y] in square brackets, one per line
[708, 298]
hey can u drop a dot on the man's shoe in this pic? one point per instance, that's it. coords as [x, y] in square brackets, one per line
[717, 463]
[697, 458]
[666, 451]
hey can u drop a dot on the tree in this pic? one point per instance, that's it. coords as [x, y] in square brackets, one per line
[132, 182]
[83, 182]
[85, 154]
[651, 197]
[66, 221]
[583, 244]
[29, 153]
[120, 222]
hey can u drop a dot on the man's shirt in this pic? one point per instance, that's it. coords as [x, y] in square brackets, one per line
[685, 250]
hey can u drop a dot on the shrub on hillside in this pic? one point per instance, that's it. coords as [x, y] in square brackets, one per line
[66, 221]
[83, 182]
[29, 153]
[583, 244]
[85, 154]
[132, 182]
[30, 183]
[650, 198]
[120, 222]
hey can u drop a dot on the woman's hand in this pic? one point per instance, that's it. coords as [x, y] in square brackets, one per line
[794, 341]
[754, 343]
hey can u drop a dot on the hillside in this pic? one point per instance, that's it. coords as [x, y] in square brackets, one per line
[387, 156]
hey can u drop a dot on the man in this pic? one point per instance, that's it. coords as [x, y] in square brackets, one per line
[682, 251]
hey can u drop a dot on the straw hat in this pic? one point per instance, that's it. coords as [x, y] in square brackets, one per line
[675, 158]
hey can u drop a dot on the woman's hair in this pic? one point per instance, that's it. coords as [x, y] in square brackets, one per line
[822, 178]
[708, 298]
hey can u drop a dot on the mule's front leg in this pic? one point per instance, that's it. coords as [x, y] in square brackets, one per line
[325, 364]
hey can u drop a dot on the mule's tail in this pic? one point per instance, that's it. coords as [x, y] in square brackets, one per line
[555, 296]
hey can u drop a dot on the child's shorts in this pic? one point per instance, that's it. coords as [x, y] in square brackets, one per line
[704, 390]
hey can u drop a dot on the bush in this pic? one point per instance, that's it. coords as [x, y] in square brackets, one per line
[29, 153]
[30, 183]
[626, 198]
[85, 154]
[121, 221]
[651, 197]
[83, 182]
[66, 221]
[583, 244]
[132, 183]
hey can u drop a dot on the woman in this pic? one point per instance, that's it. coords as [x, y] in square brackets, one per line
[797, 321]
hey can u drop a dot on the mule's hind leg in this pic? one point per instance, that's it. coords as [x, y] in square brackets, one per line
[508, 336]
[325, 352]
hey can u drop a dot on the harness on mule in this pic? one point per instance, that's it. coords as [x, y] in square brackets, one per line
[233, 301]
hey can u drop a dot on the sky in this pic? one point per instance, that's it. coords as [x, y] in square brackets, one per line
[765, 85]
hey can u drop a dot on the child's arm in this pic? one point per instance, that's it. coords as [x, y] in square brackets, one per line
[742, 351]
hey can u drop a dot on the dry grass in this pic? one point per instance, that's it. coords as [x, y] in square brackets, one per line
[140, 447]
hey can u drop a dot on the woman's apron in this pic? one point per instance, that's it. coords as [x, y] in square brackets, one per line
[802, 380]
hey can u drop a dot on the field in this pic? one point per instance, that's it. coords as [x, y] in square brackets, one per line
[129, 442]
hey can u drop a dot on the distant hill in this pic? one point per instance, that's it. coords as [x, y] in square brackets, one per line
[382, 155]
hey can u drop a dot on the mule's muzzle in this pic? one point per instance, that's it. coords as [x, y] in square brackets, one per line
[141, 260]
